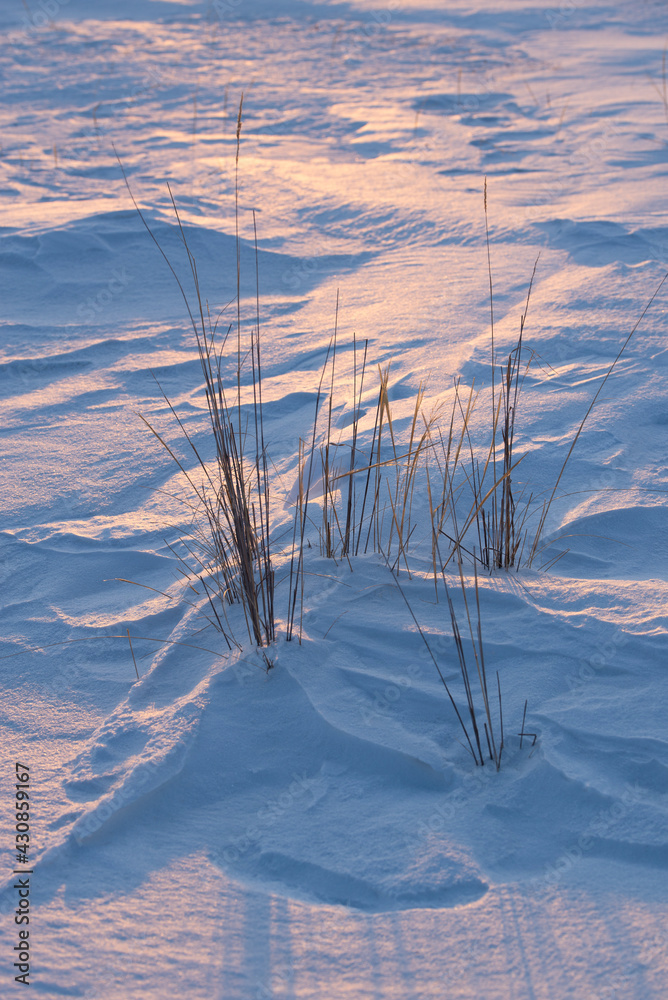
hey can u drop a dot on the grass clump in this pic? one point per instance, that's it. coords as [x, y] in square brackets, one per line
[228, 550]
[420, 494]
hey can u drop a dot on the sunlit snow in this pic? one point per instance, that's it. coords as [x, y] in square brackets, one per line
[203, 826]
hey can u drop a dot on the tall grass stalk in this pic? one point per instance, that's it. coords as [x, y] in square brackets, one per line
[500, 526]
[537, 542]
[490, 749]
[229, 550]
[301, 516]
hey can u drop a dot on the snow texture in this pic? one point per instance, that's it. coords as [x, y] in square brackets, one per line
[213, 828]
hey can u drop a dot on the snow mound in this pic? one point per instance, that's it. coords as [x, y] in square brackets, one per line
[337, 775]
[105, 267]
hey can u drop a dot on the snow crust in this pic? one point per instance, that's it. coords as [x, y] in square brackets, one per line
[216, 829]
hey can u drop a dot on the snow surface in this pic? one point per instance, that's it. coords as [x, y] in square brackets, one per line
[217, 830]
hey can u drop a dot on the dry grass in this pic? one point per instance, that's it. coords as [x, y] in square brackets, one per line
[402, 495]
[228, 550]
[480, 750]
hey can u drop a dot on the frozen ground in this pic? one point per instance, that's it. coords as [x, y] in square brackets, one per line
[216, 831]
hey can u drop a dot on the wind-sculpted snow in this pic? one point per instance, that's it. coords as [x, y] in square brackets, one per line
[106, 268]
[204, 825]
[370, 803]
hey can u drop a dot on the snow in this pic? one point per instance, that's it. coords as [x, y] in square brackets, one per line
[214, 828]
